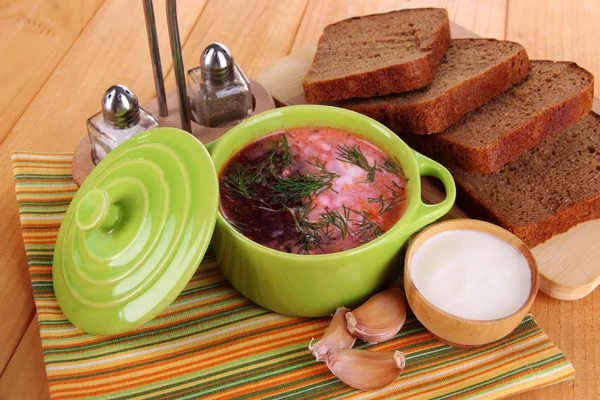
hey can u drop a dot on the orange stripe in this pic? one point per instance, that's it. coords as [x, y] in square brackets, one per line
[221, 346]
[66, 181]
[513, 377]
[257, 386]
[479, 368]
[469, 360]
[191, 366]
[149, 328]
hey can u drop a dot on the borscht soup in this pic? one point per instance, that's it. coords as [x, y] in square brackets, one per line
[312, 190]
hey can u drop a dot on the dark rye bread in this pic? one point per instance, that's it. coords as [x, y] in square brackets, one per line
[472, 72]
[552, 97]
[546, 190]
[378, 54]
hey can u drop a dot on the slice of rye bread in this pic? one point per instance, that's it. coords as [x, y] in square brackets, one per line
[546, 190]
[378, 54]
[472, 72]
[552, 96]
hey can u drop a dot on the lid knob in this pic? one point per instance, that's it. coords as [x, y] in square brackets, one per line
[97, 211]
[120, 107]
[216, 63]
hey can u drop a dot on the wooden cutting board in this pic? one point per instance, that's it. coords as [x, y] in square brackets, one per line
[569, 263]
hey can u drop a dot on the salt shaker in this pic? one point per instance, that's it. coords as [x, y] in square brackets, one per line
[219, 90]
[121, 118]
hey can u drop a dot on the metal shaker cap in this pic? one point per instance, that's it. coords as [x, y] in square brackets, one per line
[120, 107]
[216, 63]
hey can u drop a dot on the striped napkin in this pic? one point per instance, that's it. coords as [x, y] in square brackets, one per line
[213, 343]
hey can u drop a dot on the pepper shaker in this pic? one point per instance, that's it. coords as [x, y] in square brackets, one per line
[121, 117]
[219, 90]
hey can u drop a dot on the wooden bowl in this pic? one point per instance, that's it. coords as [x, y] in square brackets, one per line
[457, 331]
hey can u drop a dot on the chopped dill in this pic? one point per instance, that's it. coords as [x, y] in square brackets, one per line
[334, 218]
[236, 181]
[298, 187]
[329, 175]
[394, 167]
[366, 229]
[388, 203]
[354, 155]
[311, 232]
[317, 163]
[294, 191]
[283, 146]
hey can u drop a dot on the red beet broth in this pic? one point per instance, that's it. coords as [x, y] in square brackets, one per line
[312, 190]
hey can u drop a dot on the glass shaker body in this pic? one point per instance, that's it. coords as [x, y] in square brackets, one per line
[104, 137]
[219, 104]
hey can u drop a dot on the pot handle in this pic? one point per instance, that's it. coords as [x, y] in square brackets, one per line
[428, 213]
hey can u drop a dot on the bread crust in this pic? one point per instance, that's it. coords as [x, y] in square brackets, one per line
[534, 233]
[509, 146]
[437, 114]
[402, 77]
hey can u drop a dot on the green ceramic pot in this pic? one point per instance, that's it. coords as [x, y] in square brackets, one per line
[315, 285]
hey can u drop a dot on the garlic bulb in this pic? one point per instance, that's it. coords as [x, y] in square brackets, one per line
[336, 336]
[380, 318]
[365, 370]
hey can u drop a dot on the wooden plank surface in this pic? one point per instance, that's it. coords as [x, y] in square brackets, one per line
[247, 29]
[30, 364]
[34, 36]
[558, 30]
[54, 122]
[487, 18]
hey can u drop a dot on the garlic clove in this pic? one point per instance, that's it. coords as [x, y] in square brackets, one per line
[380, 318]
[336, 336]
[365, 370]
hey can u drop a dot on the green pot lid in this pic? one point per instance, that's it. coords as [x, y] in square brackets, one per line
[135, 232]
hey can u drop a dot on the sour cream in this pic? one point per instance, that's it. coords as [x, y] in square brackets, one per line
[471, 274]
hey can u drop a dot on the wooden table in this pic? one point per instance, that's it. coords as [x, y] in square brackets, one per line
[58, 57]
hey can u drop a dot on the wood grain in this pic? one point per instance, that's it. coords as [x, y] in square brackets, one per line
[34, 36]
[573, 326]
[85, 72]
[486, 18]
[557, 30]
[16, 382]
[55, 121]
[257, 32]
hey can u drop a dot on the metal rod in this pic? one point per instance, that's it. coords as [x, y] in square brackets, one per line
[159, 83]
[184, 105]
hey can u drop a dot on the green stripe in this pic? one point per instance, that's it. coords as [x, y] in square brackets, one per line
[56, 203]
[43, 212]
[43, 177]
[501, 377]
[423, 358]
[35, 228]
[160, 360]
[143, 335]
